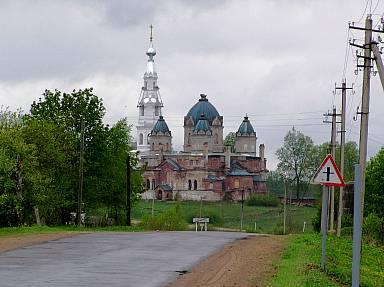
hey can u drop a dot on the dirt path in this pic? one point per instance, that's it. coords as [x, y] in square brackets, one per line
[21, 240]
[247, 262]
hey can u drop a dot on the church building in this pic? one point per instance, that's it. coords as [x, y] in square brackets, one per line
[205, 168]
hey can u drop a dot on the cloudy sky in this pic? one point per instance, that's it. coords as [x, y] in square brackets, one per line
[276, 60]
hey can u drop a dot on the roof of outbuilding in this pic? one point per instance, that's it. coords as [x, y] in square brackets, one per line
[164, 187]
[203, 106]
[246, 127]
[160, 126]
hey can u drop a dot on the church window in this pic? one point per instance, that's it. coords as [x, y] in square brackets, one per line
[189, 139]
[237, 183]
[141, 139]
[245, 147]
[189, 184]
[142, 111]
[153, 146]
[153, 184]
[216, 139]
[167, 147]
[148, 184]
[195, 184]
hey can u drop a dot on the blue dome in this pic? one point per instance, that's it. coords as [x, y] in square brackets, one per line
[246, 127]
[203, 107]
[202, 125]
[160, 127]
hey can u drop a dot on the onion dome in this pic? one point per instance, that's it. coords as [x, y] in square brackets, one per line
[203, 107]
[160, 127]
[245, 128]
[202, 125]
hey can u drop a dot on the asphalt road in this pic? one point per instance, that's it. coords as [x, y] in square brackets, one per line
[110, 259]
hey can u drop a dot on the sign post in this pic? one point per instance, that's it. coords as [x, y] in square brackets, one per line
[327, 175]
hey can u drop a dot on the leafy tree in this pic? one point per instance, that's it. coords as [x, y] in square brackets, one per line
[297, 160]
[374, 185]
[230, 140]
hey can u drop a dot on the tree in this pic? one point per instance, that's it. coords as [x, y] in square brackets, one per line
[230, 140]
[374, 185]
[297, 160]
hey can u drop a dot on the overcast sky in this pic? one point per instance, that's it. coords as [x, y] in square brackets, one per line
[276, 60]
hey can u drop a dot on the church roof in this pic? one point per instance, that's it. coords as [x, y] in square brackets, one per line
[160, 126]
[202, 124]
[246, 127]
[203, 106]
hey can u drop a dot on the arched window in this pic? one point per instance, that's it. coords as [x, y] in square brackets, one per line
[189, 184]
[216, 139]
[189, 139]
[148, 184]
[167, 147]
[140, 138]
[153, 146]
[195, 184]
[153, 184]
[245, 147]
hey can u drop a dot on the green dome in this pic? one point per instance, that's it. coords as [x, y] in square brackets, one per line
[161, 127]
[202, 125]
[245, 128]
[203, 107]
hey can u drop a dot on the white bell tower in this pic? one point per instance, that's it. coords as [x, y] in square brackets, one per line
[149, 103]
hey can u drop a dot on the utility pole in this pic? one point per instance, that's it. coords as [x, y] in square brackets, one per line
[81, 176]
[128, 192]
[331, 194]
[343, 89]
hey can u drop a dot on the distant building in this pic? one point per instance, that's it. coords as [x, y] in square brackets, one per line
[205, 168]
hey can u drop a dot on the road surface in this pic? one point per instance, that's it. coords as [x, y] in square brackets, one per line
[142, 259]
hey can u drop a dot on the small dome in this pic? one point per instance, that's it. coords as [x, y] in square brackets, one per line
[245, 128]
[203, 107]
[202, 125]
[160, 127]
[151, 51]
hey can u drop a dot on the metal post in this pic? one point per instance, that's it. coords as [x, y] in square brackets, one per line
[342, 151]
[81, 176]
[153, 203]
[242, 208]
[365, 105]
[128, 192]
[357, 221]
[324, 220]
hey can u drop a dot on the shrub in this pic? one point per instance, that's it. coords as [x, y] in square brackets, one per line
[8, 210]
[373, 228]
[263, 200]
[316, 220]
[170, 219]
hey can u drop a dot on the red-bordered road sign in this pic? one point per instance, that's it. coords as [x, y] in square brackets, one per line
[328, 174]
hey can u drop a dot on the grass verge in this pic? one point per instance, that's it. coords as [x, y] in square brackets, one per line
[300, 263]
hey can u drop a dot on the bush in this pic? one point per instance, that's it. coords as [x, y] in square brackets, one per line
[373, 228]
[170, 219]
[263, 200]
[8, 210]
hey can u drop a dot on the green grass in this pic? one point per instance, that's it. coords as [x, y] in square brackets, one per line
[227, 215]
[11, 231]
[300, 263]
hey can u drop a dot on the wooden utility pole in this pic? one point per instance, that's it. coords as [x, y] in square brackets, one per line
[81, 176]
[331, 194]
[343, 89]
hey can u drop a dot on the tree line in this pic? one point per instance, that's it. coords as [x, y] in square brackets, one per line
[40, 154]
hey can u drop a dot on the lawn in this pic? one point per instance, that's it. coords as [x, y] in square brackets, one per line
[300, 263]
[227, 215]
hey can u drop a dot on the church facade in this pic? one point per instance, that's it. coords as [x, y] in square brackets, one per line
[206, 168]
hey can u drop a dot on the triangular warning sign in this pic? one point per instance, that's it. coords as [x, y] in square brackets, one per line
[328, 174]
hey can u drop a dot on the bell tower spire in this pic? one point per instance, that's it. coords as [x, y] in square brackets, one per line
[149, 103]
